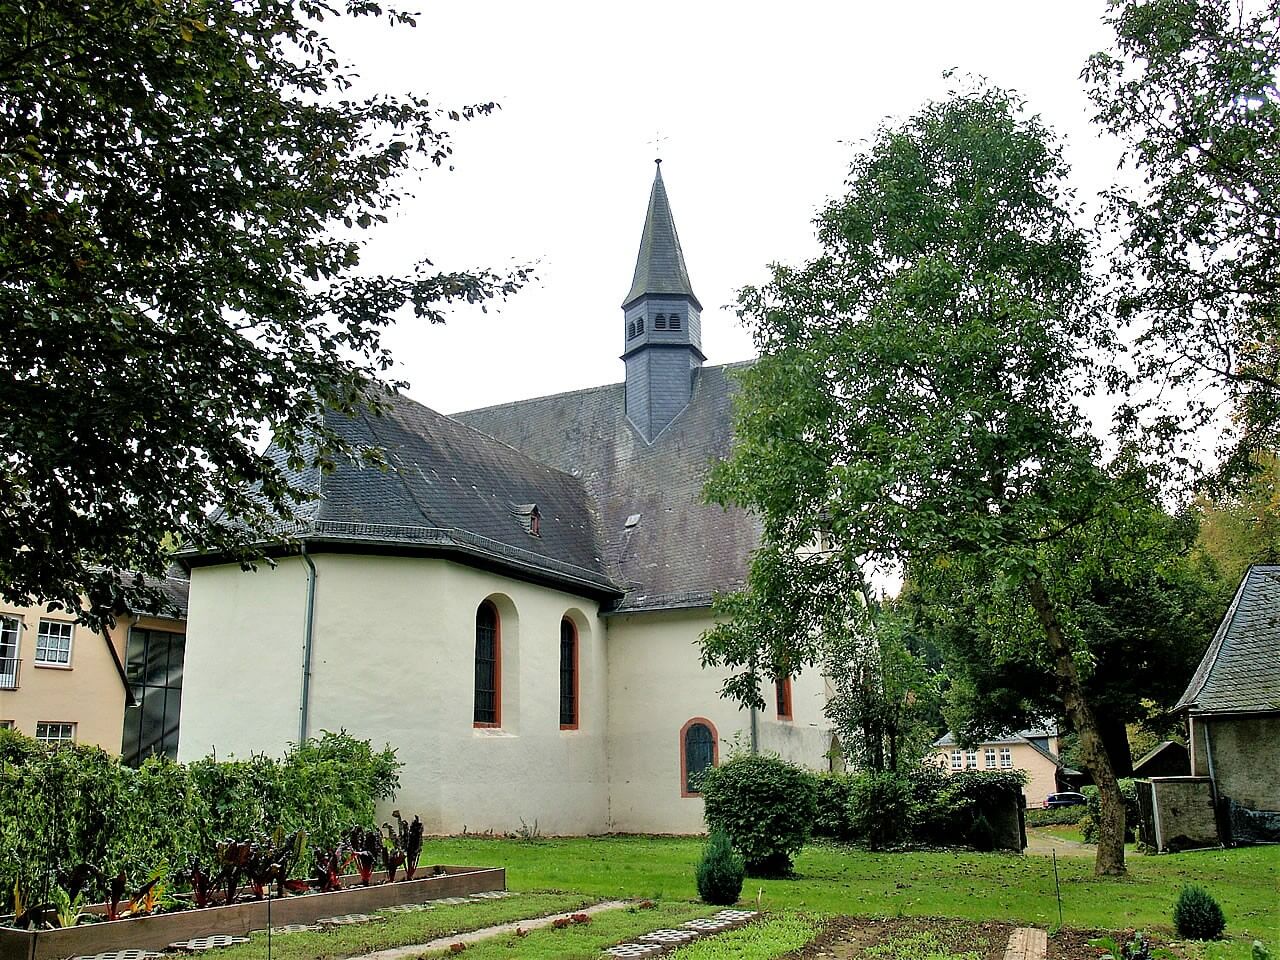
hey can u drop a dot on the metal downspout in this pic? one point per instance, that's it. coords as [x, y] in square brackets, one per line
[308, 633]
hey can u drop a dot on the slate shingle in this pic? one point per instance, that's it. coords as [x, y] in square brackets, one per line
[681, 551]
[1240, 672]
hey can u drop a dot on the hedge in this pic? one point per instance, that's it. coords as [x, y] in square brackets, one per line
[65, 805]
[925, 806]
[1056, 816]
[765, 805]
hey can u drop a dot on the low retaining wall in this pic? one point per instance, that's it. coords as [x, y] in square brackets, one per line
[158, 931]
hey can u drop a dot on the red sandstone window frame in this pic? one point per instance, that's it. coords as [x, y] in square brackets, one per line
[685, 792]
[782, 697]
[577, 660]
[497, 672]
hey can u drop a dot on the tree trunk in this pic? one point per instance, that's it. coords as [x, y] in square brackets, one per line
[1110, 859]
[1115, 737]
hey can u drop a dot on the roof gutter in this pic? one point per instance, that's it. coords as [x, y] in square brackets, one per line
[304, 705]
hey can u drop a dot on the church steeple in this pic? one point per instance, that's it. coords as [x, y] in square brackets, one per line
[660, 265]
[662, 322]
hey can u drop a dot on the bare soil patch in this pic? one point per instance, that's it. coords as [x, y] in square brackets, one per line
[847, 938]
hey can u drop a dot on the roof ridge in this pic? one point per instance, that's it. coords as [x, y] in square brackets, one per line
[570, 393]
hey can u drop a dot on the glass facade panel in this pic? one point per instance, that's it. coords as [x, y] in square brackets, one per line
[153, 663]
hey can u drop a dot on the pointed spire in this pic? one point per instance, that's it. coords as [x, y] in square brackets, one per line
[660, 265]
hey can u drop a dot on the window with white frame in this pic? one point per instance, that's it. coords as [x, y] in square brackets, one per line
[990, 758]
[10, 630]
[53, 643]
[957, 760]
[1006, 758]
[6, 724]
[55, 731]
[971, 760]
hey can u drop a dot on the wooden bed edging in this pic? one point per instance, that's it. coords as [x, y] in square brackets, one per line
[158, 931]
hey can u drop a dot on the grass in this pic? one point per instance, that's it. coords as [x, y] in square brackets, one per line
[585, 941]
[771, 937]
[1064, 832]
[832, 879]
[926, 945]
[400, 929]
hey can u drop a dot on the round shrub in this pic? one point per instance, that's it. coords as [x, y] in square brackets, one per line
[880, 809]
[1197, 916]
[765, 805]
[720, 872]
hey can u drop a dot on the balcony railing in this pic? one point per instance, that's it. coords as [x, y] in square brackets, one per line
[9, 673]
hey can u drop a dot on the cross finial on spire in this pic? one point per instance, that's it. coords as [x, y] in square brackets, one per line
[657, 142]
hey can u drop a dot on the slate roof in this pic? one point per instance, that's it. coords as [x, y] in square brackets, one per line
[450, 489]
[660, 266]
[1240, 672]
[679, 551]
[948, 740]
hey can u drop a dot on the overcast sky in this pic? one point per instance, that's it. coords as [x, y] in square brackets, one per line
[761, 106]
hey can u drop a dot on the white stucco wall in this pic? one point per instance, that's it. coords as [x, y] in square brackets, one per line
[242, 676]
[393, 662]
[656, 685]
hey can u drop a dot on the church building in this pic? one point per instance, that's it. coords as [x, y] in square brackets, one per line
[515, 604]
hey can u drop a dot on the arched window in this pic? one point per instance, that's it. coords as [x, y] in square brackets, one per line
[639, 325]
[568, 675]
[699, 751]
[673, 321]
[488, 699]
[660, 322]
[782, 697]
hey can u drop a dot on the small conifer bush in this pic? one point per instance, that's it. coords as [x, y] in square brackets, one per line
[720, 871]
[1197, 916]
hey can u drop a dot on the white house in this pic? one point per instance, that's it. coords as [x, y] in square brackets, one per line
[516, 604]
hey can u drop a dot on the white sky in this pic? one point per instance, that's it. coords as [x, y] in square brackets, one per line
[762, 105]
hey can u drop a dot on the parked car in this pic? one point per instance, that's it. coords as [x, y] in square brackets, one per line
[1067, 799]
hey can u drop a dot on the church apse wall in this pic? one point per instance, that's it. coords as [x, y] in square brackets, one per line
[656, 687]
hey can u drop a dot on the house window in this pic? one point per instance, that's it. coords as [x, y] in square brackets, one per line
[957, 760]
[49, 731]
[673, 321]
[6, 724]
[660, 322]
[568, 675]
[698, 753]
[535, 523]
[53, 643]
[153, 666]
[488, 699]
[782, 697]
[633, 330]
[990, 758]
[971, 760]
[1006, 758]
[9, 657]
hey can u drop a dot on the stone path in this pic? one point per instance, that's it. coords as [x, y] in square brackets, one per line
[443, 943]
[1027, 943]
[659, 941]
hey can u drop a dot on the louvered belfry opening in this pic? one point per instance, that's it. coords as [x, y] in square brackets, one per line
[487, 652]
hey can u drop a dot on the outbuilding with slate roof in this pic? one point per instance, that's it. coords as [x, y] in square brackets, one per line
[515, 602]
[1232, 703]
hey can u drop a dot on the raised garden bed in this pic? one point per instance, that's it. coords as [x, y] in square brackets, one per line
[157, 931]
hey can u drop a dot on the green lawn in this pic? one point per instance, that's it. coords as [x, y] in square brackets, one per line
[834, 879]
[560, 875]
[586, 941]
[403, 928]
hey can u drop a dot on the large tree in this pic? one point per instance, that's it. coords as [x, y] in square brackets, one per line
[916, 398]
[187, 185]
[1141, 632]
[1190, 88]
